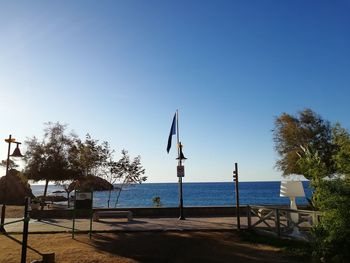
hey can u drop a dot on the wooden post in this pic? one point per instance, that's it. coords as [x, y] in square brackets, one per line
[249, 217]
[235, 177]
[48, 257]
[277, 222]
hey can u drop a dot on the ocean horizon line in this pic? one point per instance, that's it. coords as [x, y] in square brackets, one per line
[194, 182]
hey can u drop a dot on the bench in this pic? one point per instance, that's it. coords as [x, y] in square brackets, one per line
[112, 214]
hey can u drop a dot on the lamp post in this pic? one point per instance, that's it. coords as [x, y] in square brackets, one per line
[16, 153]
[180, 173]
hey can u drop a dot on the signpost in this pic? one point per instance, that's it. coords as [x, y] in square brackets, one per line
[235, 178]
[83, 201]
[180, 171]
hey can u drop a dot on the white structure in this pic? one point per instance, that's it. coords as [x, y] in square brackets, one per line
[292, 189]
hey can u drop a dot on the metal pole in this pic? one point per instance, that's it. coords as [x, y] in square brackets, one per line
[25, 230]
[73, 227]
[182, 217]
[177, 132]
[91, 212]
[3, 209]
[235, 175]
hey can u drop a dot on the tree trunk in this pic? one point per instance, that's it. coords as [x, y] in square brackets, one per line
[42, 202]
[117, 200]
[68, 199]
[109, 198]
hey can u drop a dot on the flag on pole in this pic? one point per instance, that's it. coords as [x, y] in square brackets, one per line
[172, 132]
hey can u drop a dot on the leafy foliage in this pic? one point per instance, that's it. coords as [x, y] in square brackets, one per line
[51, 158]
[331, 241]
[64, 158]
[306, 130]
[92, 157]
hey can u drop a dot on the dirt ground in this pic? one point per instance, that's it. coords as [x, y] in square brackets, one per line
[140, 247]
[143, 247]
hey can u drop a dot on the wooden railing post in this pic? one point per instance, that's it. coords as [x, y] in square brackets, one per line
[277, 222]
[249, 217]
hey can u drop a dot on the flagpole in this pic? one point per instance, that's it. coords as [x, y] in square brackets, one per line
[177, 131]
[182, 217]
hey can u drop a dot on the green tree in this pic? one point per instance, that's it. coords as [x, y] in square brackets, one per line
[52, 158]
[331, 196]
[292, 133]
[127, 172]
[342, 155]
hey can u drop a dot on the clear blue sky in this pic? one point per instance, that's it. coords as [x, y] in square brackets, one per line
[119, 69]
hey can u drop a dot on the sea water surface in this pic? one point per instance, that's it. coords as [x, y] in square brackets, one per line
[194, 194]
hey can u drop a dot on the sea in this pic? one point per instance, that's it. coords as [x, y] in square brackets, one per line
[194, 194]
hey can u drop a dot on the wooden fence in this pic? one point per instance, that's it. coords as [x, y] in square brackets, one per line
[281, 221]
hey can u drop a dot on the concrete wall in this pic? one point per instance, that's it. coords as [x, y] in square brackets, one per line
[142, 212]
[202, 211]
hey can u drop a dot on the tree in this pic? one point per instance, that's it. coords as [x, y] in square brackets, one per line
[12, 164]
[95, 159]
[52, 159]
[111, 178]
[127, 172]
[67, 186]
[92, 157]
[156, 201]
[307, 130]
[341, 157]
[332, 197]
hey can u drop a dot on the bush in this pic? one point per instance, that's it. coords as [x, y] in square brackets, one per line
[331, 242]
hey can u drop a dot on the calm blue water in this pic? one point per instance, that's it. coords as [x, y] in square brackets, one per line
[194, 194]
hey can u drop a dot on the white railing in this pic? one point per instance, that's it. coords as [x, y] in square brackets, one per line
[282, 221]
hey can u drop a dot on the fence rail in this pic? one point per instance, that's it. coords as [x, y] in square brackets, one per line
[282, 221]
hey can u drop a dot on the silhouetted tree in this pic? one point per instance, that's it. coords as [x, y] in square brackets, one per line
[93, 158]
[127, 172]
[67, 186]
[12, 164]
[52, 158]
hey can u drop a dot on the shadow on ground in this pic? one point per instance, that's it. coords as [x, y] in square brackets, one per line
[186, 247]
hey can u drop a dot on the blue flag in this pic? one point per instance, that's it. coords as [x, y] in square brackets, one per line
[172, 132]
